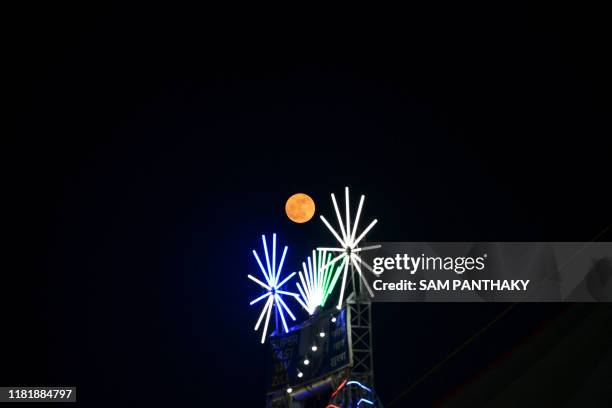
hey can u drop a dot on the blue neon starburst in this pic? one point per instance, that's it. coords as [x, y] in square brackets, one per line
[272, 285]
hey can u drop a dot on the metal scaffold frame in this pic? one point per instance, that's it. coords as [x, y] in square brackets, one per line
[360, 337]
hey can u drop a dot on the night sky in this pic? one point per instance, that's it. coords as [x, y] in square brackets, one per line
[151, 148]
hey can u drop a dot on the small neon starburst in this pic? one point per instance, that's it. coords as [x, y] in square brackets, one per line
[349, 244]
[318, 277]
[274, 294]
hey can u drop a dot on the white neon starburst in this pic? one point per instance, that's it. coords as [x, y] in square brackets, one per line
[274, 294]
[318, 277]
[349, 244]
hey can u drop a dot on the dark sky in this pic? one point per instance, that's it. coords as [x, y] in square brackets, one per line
[152, 147]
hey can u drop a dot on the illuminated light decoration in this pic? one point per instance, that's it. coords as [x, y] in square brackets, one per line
[333, 319]
[318, 278]
[322, 334]
[359, 384]
[342, 384]
[314, 348]
[345, 384]
[300, 374]
[349, 248]
[289, 390]
[306, 362]
[272, 285]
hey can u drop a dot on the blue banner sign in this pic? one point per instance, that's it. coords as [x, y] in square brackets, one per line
[310, 351]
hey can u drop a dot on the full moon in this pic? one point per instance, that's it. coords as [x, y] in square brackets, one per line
[300, 208]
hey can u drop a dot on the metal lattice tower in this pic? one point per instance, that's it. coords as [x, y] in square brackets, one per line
[360, 335]
[359, 309]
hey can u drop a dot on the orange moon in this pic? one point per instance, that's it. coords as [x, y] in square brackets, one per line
[300, 208]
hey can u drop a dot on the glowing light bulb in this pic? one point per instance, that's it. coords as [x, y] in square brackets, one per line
[289, 390]
[333, 320]
[314, 348]
[300, 374]
[322, 334]
[306, 362]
